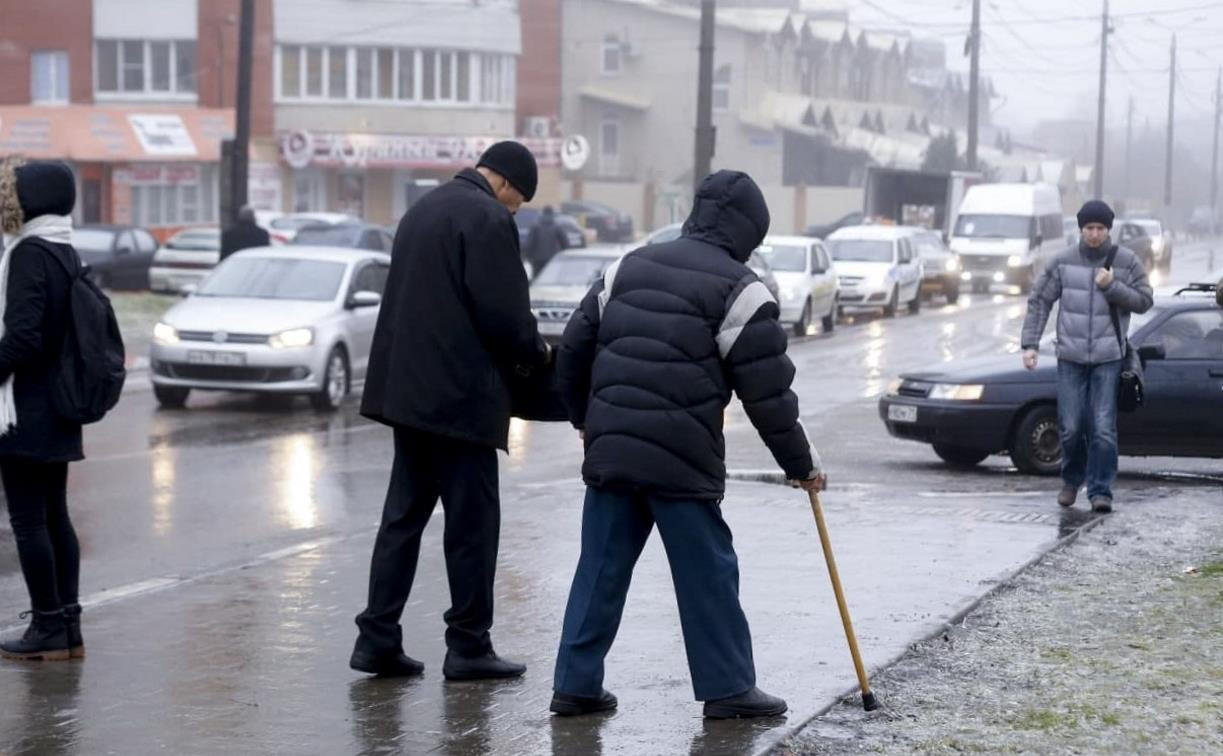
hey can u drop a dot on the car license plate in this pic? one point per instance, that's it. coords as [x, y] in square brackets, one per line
[230, 359]
[902, 413]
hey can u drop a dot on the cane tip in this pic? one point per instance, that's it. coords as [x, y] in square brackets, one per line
[869, 702]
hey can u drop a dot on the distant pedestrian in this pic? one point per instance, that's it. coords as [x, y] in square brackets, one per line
[647, 367]
[455, 320]
[244, 234]
[544, 241]
[36, 201]
[1089, 354]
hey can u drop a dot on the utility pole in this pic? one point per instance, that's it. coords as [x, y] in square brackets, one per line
[1129, 142]
[1099, 184]
[974, 84]
[242, 116]
[1214, 157]
[705, 133]
[1171, 124]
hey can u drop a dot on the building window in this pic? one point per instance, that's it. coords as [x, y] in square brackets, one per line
[721, 89]
[463, 65]
[365, 73]
[314, 72]
[308, 192]
[612, 56]
[609, 147]
[428, 80]
[386, 73]
[350, 194]
[49, 77]
[174, 195]
[291, 71]
[407, 75]
[337, 73]
[145, 68]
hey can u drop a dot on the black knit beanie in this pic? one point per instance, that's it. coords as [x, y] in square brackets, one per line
[1096, 211]
[516, 163]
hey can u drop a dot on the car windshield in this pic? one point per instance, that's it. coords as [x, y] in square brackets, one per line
[196, 240]
[294, 222]
[1139, 320]
[93, 238]
[860, 250]
[328, 236]
[994, 226]
[572, 271]
[787, 258]
[275, 278]
[1150, 226]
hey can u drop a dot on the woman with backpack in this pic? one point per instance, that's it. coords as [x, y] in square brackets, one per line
[36, 442]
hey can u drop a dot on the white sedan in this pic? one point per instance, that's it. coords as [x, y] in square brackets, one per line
[806, 280]
[285, 320]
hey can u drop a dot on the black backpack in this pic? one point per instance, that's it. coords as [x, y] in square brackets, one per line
[87, 379]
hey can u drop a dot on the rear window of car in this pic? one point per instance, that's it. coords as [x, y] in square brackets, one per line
[572, 271]
[93, 238]
[275, 278]
[787, 258]
[328, 236]
[860, 250]
[196, 240]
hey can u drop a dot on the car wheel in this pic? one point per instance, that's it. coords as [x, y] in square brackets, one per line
[915, 304]
[889, 310]
[1036, 447]
[804, 320]
[829, 321]
[952, 292]
[171, 397]
[960, 456]
[335, 383]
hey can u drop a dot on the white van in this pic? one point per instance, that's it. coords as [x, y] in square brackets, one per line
[877, 267]
[1004, 233]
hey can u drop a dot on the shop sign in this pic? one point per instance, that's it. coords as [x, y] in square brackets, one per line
[163, 135]
[301, 149]
[153, 174]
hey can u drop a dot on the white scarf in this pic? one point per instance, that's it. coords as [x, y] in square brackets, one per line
[56, 229]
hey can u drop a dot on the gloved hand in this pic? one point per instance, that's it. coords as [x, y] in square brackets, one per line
[816, 483]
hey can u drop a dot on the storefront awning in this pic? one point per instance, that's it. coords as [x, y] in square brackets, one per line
[610, 97]
[103, 134]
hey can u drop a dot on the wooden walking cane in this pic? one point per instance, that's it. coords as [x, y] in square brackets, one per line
[869, 702]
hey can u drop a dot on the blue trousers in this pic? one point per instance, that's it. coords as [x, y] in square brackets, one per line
[1087, 414]
[704, 570]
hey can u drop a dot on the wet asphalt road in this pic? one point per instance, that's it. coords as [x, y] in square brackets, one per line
[226, 546]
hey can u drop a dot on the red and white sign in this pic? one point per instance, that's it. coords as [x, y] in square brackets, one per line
[165, 174]
[301, 149]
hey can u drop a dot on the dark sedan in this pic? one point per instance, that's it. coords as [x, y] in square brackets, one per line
[351, 235]
[610, 224]
[118, 256]
[527, 217]
[1135, 237]
[968, 410]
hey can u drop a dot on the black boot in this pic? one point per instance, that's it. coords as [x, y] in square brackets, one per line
[46, 638]
[366, 658]
[486, 667]
[566, 705]
[753, 703]
[72, 623]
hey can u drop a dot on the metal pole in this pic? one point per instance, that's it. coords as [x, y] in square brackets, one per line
[1129, 142]
[705, 135]
[1171, 125]
[974, 85]
[242, 116]
[1099, 183]
[1214, 157]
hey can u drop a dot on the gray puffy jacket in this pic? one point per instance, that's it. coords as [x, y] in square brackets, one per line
[1084, 327]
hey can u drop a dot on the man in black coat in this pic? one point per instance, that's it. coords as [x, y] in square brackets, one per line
[245, 234]
[545, 240]
[455, 321]
[647, 366]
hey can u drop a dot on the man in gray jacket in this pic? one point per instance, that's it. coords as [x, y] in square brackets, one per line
[1089, 354]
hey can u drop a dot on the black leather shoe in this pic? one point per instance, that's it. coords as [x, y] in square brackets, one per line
[487, 667]
[399, 665]
[72, 623]
[566, 705]
[46, 639]
[1101, 504]
[753, 703]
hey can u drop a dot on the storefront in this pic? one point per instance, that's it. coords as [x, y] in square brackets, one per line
[378, 176]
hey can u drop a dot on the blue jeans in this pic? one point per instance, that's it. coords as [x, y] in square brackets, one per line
[705, 572]
[1087, 414]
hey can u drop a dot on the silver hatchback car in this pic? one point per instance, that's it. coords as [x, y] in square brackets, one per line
[285, 320]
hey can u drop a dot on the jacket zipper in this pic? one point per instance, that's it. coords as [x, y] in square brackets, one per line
[1091, 309]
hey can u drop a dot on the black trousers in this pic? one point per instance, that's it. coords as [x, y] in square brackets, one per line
[464, 476]
[37, 494]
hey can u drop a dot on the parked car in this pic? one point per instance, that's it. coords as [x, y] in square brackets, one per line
[351, 235]
[575, 236]
[280, 320]
[558, 289]
[608, 223]
[1070, 229]
[186, 259]
[1202, 221]
[1161, 239]
[118, 256]
[806, 278]
[823, 230]
[283, 228]
[1134, 237]
[877, 268]
[1004, 233]
[940, 266]
[970, 409]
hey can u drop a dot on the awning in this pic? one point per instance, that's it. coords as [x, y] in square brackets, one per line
[97, 133]
[610, 97]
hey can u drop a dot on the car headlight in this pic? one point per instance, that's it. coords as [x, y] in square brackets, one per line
[297, 337]
[894, 387]
[953, 264]
[164, 333]
[1157, 244]
[790, 294]
[1015, 261]
[957, 392]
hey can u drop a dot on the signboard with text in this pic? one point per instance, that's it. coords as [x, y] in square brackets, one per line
[301, 149]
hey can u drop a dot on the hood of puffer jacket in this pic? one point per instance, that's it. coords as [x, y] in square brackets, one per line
[29, 190]
[729, 211]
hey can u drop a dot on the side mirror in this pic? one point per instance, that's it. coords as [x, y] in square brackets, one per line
[1152, 352]
[364, 299]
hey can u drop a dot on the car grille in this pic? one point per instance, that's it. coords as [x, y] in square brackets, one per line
[553, 312]
[221, 337]
[244, 374]
[849, 280]
[982, 262]
[920, 389]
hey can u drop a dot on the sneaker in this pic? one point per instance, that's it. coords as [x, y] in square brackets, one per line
[1101, 504]
[565, 705]
[486, 667]
[753, 703]
[1067, 495]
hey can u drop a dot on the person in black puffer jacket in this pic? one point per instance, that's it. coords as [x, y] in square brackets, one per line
[647, 367]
